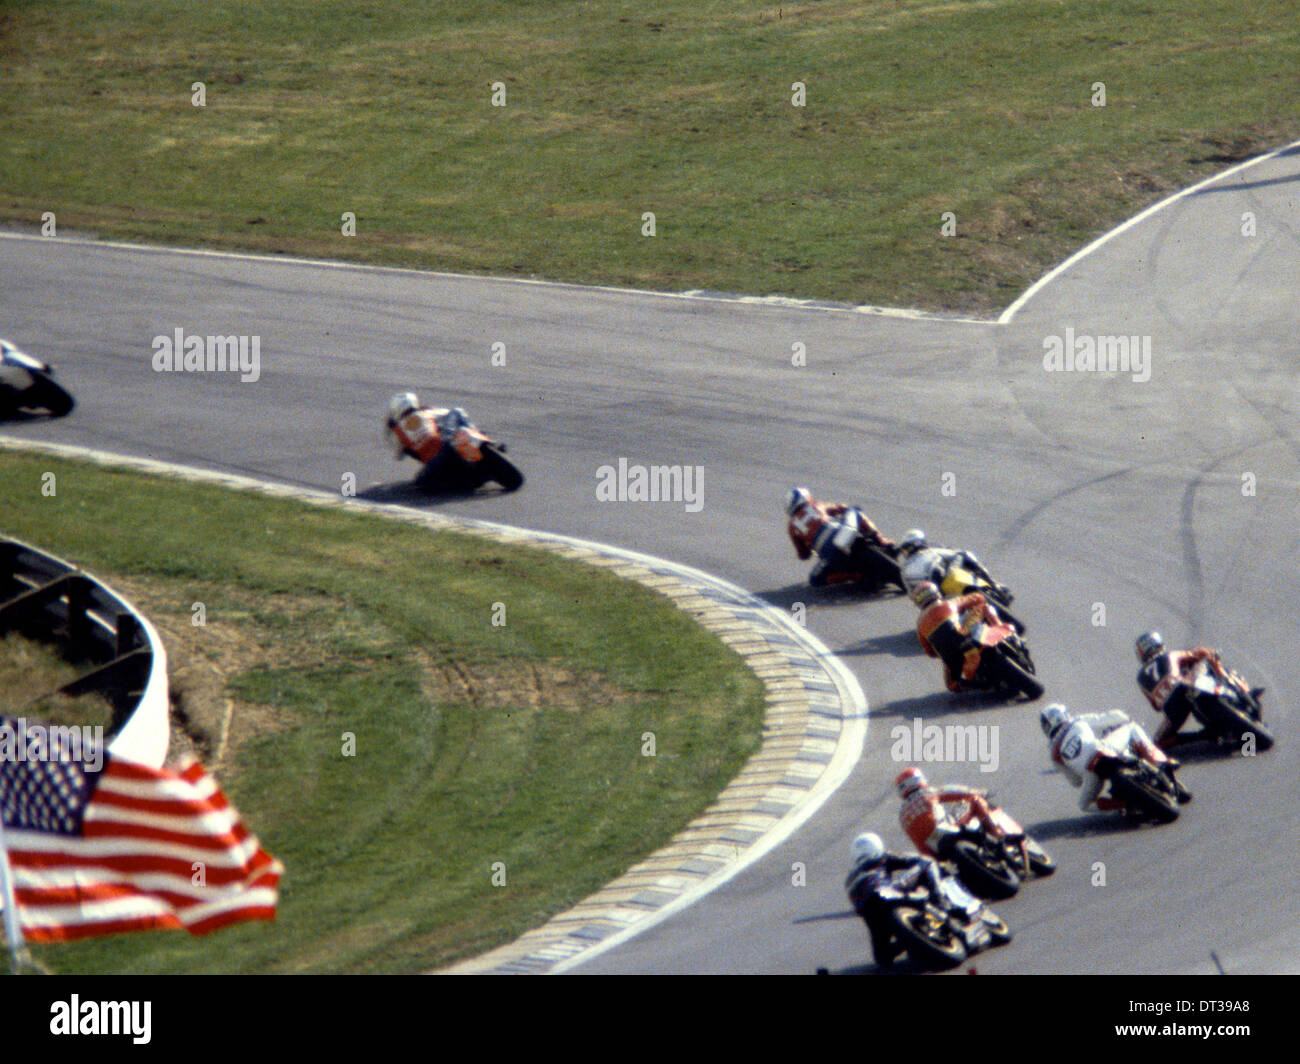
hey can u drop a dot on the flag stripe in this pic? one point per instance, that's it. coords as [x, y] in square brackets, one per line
[44, 848]
[143, 873]
[129, 848]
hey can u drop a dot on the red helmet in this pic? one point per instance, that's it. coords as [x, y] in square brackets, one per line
[909, 781]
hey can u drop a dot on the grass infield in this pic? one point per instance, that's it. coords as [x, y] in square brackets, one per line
[475, 743]
[911, 109]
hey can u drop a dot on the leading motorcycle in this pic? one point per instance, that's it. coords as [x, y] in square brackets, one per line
[28, 384]
[467, 459]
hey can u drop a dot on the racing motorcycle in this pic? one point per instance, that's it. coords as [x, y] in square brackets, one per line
[870, 565]
[1224, 704]
[474, 460]
[939, 928]
[1146, 791]
[1005, 663]
[28, 384]
[959, 580]
[993, 867]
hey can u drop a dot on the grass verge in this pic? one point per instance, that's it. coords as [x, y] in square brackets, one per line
[475, 743]
[912, 108]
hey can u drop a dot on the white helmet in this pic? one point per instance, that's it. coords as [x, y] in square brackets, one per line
[868, 847]
[1053, 718]
[913, 540]
[401, 405]
[796, 499]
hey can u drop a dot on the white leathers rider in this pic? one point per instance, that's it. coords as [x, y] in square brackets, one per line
[1077, 742]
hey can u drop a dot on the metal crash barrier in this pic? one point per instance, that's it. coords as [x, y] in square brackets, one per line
[122, 657]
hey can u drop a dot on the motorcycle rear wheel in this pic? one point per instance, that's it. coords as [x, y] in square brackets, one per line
[1231, 722]
[877, 569]
[981, 871]
[928, 946]
[499, 468]
[1137, 789]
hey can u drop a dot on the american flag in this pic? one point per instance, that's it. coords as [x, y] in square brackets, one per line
[124, 847]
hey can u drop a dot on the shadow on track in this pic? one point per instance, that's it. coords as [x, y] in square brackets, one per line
[898, 645]
[903, 966]
[409, 493]
[1197, 748]
[942, 703]
[827, 597]
[1086, 825]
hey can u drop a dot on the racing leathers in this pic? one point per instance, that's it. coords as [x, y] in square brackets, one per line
[833, 531]
[1161, 680]
[425, 434]
[926, 818]
[867, 877]
[932, 564]
[1077, 748]
[943, 630]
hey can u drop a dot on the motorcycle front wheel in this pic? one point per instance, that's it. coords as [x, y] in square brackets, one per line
[983, 874]
[499, 468]
[1139, 791]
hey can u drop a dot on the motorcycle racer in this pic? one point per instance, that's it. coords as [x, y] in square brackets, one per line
[925, 563]
[422, 432]
[1162, 674]
[924, 815]
[874, 869]
[1076, 743]
[944, 627]
[832, 531]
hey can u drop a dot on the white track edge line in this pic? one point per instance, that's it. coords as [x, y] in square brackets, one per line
[1005, 317]
[785, 302]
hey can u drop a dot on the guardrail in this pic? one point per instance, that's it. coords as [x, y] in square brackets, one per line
[52, 600]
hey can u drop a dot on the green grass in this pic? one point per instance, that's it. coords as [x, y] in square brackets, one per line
[341, 623]
[32, 671]
[914, 108]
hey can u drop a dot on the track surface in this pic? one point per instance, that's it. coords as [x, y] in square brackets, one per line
[1075, 488]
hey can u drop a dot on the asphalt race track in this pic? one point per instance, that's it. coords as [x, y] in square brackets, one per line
[1075, 488]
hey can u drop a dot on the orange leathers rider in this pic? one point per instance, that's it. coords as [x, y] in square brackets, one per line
[944, 626]
[924, 815]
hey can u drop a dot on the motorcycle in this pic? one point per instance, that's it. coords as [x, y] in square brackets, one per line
[1225, 705]
[994, 867]
[1146, 791]
[939, 929]
[474, 459]
[28, 384]
[1005, 663]
[959, 580]
[870, 565]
